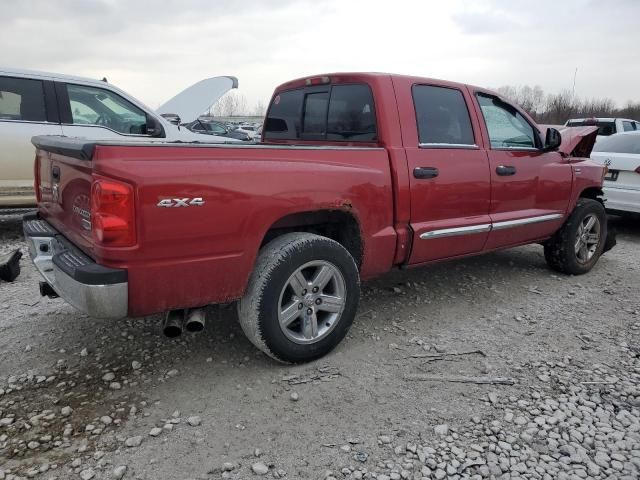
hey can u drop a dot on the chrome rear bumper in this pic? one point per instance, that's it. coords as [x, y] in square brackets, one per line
[98, 291]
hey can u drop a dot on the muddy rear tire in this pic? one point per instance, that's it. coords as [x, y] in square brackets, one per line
[302, 297]
[577, 246]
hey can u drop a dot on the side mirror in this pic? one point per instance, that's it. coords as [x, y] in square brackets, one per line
[553, 140]
[154, 127]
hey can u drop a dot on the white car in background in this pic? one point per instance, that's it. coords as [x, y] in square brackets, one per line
[621, 153]
[37, 103]
[250, 130]
[606, 126]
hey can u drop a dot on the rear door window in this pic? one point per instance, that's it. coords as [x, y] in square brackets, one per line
[628, 126]
[22, 99]
[333, 113]
[442, 116]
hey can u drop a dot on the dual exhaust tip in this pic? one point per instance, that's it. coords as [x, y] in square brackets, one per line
[175, 321]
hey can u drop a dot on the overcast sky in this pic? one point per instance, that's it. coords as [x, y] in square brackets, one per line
[154, 49]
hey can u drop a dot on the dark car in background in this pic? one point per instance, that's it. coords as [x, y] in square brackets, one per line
[209, 127]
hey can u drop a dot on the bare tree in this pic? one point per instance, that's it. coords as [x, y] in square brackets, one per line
[631, 110]
[260, 109]
[231, 104]
[557, 108]
[531, 99]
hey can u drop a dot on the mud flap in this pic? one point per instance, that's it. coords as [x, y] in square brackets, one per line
[10, 265]
[610, 242]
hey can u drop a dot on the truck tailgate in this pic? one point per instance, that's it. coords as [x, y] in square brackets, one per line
[63, 188]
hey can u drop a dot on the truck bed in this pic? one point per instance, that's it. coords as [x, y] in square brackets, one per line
[204, 253]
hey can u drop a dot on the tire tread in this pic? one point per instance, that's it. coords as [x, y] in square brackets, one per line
[558, 249]
[271, 256]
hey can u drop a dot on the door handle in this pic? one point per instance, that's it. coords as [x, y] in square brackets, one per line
[425, 172]
[505, 170]
[55, 173]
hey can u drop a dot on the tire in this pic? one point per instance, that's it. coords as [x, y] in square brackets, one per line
[275, 291]
[561, 252]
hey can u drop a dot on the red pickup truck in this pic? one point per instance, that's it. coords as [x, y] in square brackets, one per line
[356, 174]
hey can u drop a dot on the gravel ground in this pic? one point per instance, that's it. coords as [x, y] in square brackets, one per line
[115, 399]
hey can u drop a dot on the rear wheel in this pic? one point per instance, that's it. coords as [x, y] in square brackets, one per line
[302, 297]
[576, 247]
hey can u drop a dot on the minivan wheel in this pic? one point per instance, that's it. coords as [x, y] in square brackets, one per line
[301, 299]
[576, 247]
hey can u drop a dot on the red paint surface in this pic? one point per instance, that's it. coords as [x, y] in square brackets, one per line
[186, 257]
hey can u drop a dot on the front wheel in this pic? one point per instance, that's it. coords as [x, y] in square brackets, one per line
[576, 247]
[301, 299]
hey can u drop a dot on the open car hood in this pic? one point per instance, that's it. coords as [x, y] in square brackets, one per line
[576, 141]
[198, 98]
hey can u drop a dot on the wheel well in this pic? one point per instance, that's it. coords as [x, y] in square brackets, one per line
[335, 224]
[593, 193]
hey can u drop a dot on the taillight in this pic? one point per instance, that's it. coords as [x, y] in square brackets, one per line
[638, 170]
[112, 213]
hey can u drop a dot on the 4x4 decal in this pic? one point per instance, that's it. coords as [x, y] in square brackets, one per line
[180, 202]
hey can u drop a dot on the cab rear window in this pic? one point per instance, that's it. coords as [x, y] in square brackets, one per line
[331, 112]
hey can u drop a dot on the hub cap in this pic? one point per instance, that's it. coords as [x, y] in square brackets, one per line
[587, 238]
[311, 302]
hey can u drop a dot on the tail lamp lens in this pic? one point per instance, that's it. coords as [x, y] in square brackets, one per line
[112, 213]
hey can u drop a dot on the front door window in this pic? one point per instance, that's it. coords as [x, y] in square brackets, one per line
[96, 106]
[507, 128]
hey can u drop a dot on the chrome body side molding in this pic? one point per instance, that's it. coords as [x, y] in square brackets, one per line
[526, 221]
[487, 227]
[450, 232]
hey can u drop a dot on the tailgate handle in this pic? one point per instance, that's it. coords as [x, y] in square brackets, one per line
[55, 173]
[425, 172]
[505, 170]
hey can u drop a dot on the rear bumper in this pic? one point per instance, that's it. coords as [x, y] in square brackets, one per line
[98, 291]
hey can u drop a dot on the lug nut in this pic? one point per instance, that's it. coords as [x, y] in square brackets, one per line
[318, 301]
[304, 292]
[300, 305]
[315, 290]
[309, 311]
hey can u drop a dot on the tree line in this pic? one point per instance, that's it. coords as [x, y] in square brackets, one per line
[234, 103]
[545, 108]
[557, 108]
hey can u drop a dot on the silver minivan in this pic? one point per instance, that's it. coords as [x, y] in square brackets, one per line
[36, 103]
